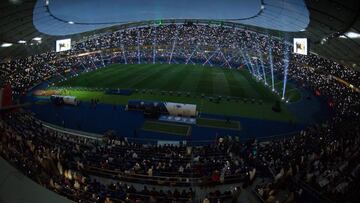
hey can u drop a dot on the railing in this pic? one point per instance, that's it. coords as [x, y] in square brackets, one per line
[258, 196]
[189, 142]
[161, 180]
[112, 194]
[311, 191]
[14, 106]
[68, 131]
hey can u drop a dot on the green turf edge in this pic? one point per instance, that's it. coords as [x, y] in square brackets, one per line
[231, 108]
[145, 72]
[158, 127]
[217, 123]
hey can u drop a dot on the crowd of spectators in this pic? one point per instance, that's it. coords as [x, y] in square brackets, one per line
[323, 158]
[175, 43]
[57, 161]
[65, 163]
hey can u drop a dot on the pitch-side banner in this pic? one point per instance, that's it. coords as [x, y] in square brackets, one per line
[63, 45]
[300, 46]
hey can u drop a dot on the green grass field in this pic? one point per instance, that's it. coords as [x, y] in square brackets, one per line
[234, 86]
[173, 77]
[168, 128]
[215, 123]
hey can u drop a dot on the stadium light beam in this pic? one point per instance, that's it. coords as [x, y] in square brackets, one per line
[261, 63]
[286, 66]
[251, 64]
[123, 52]
[138, 46]
[82, 64]
[229, 59]
[247, 58]
[263, 68]
[208, 59]
[154, 46]
[172, 49]
[123, 49]
[257, 66]
[192, 53]
[102, 59]
[245, 61]
[264, 74]
[93, 63]
[271, 67]
[225, 59]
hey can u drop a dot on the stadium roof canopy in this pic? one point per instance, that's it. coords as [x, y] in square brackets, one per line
[64, 17]
[32, 26]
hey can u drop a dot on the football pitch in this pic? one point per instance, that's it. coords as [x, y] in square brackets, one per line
[177, 77]
[214, 90]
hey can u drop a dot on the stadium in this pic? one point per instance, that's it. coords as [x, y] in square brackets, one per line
[180, 101]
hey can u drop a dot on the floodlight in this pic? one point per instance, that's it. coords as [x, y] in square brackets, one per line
[5, 44]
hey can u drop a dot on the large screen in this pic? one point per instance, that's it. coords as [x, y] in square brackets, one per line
[300, 46]
[63, 45]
